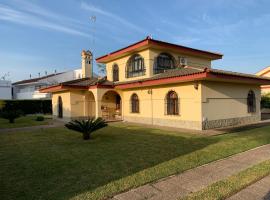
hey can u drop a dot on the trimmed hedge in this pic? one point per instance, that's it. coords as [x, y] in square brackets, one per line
[265, 102]
[29, 106]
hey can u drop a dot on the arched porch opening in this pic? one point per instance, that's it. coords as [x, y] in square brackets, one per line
[89, 105]
[111, 106]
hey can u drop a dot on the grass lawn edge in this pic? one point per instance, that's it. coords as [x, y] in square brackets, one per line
[233, 184]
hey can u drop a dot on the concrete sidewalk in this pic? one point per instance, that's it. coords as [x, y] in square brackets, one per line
[257, 191]
[180, 185]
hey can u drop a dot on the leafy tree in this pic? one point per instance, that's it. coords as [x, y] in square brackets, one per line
[265, 101]
[11, 115]
[87, 127]
[101, 69]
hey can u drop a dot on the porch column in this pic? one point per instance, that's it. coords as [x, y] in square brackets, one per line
[98, 108]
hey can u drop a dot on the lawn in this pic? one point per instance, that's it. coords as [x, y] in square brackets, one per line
[24, 121]
[231, 185]
[56, 163]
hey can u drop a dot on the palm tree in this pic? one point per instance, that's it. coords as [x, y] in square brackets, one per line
[86, 127]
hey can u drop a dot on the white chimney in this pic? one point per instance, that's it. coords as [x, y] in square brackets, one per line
[87, 71]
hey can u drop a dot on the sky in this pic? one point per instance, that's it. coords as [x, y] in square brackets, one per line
[38, 36]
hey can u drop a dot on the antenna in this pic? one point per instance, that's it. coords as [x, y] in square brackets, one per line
[93, 19]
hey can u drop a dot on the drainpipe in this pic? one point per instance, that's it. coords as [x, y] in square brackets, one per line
[152, 117]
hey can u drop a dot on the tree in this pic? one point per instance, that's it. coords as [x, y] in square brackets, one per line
[87, 127]
[11, 115]
[101, 69]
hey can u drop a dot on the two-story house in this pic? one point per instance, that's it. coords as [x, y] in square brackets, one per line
[159, 83]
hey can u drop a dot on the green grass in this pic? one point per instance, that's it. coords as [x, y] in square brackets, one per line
[24, 122]
[231, 185]
[57, 164]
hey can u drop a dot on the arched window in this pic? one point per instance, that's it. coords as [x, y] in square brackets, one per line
[163, 62]
[135, 66]
[251, 102]
[60, 107]
[115, 72]
[134, 103]
[172, 103]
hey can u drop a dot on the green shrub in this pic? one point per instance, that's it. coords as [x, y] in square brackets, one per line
[265, 101]
[40, 118]
[87, 127]
[11, 115]
[29, 106]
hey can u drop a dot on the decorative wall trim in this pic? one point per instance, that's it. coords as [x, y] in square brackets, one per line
[222, 123]
[195, 125]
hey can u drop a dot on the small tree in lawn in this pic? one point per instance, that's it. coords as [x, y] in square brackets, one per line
[11, 115]
[87, 127]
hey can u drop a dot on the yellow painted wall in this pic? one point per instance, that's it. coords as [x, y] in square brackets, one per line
[149, 55]
[76, 103]
[66, 103]
[122, 62]
[227, 100]
[210, 101]
[152, 106]
[265, 73]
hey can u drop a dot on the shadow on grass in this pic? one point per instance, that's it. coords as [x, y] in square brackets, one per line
[58, 164]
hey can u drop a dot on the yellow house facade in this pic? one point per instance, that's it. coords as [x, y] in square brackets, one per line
[158, 83]
[265, 89]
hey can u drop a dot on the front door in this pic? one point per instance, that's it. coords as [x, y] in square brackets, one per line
[60, 107]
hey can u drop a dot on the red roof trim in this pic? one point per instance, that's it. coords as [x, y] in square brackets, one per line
[163, 81]
[148, 41]
[207, 74]
[56, 88]
[265, 87]
[266, 72]
[124, 50]
[100, 86]
[236, 78]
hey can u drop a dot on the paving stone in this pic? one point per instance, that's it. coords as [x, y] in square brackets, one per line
[193, 180]
[171, 194]
[147, 191]
[257, 191]
[130, 195]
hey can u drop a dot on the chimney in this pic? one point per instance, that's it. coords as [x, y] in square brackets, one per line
[87, 65]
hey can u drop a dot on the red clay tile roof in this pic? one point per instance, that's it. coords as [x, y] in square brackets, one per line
[185, 74]
[151, 42]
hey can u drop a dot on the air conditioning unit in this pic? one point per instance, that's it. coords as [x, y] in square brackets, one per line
[183, 61]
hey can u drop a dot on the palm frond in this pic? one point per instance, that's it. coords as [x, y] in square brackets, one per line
[86, 126]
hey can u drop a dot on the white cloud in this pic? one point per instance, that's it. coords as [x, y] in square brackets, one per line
[25, 18]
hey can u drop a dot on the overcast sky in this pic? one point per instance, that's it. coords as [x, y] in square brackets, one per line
[38, 36]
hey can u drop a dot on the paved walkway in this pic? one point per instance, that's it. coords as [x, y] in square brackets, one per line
[193, 180]
[257, 191]
[30, 128]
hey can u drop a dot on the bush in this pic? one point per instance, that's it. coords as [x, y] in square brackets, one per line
[40, 118]
[11, 115]
[265, 101]
[87, 127]
[29, 106]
